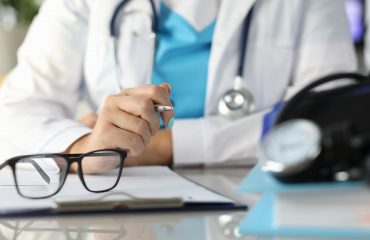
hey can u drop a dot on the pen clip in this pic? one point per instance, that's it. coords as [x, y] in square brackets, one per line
[162, 108]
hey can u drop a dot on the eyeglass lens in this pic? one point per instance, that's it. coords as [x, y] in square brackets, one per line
[95, 168]
[40, 176]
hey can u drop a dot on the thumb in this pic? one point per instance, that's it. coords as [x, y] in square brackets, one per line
[167, 87]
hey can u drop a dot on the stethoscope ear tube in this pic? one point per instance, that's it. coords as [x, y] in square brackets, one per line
[292, 103]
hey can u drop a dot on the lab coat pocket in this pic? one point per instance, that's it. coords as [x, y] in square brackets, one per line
[135, 55]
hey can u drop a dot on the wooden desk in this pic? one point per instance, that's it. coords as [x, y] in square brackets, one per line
[198, 226]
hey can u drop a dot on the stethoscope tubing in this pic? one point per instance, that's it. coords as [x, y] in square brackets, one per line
[243, 42]
[113, 29]
[225, 108]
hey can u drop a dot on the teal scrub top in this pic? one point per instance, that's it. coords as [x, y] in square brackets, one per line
[181, 59]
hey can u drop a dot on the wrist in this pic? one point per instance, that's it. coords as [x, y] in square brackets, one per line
[158, 152]
[165, 147]
[79, 146]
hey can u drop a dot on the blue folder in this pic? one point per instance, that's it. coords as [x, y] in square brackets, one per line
[259, 181]
[260, 219]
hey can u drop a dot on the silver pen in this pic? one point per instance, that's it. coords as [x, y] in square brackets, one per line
[162, 108]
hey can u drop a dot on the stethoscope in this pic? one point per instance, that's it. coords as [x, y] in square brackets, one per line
[234, 103]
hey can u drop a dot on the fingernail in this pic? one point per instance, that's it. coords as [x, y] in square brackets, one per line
[167, 87]
[170, 123]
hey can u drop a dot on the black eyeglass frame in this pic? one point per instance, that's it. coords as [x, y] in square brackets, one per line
[70, 159]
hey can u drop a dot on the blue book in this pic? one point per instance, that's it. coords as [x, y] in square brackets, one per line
[262, 218]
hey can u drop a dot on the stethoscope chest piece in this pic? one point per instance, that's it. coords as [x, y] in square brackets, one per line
[236, 102]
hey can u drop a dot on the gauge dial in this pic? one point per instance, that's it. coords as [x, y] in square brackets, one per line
[291, 147]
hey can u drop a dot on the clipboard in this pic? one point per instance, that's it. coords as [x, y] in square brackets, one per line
[137, 192]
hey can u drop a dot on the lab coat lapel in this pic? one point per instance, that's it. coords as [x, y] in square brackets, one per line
[137, 51]
[229, 22]
[230, 18]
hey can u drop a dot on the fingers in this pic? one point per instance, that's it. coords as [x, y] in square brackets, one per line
[126, 140]
[167, 87]
[157, 94]
[133, 143]
[127, 122]
[131, 123]
[139, 107]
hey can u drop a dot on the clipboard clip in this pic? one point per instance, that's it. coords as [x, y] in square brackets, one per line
[132, 203]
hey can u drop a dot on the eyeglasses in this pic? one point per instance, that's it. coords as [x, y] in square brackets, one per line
[43, 175]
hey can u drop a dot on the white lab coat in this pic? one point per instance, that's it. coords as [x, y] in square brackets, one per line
[67, 55]
[367, 37]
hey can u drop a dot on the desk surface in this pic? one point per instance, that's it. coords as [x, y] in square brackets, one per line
[207, 225]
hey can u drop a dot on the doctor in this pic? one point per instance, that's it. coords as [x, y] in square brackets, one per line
[69, 54]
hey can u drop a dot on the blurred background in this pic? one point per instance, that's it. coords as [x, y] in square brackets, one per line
[16, 15]
[358, 12]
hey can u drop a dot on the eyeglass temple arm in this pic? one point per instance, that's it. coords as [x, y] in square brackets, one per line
[4, 164]
[43, 174]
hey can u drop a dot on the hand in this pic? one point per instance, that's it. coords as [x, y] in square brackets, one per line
[127, 121]
[157, 152]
